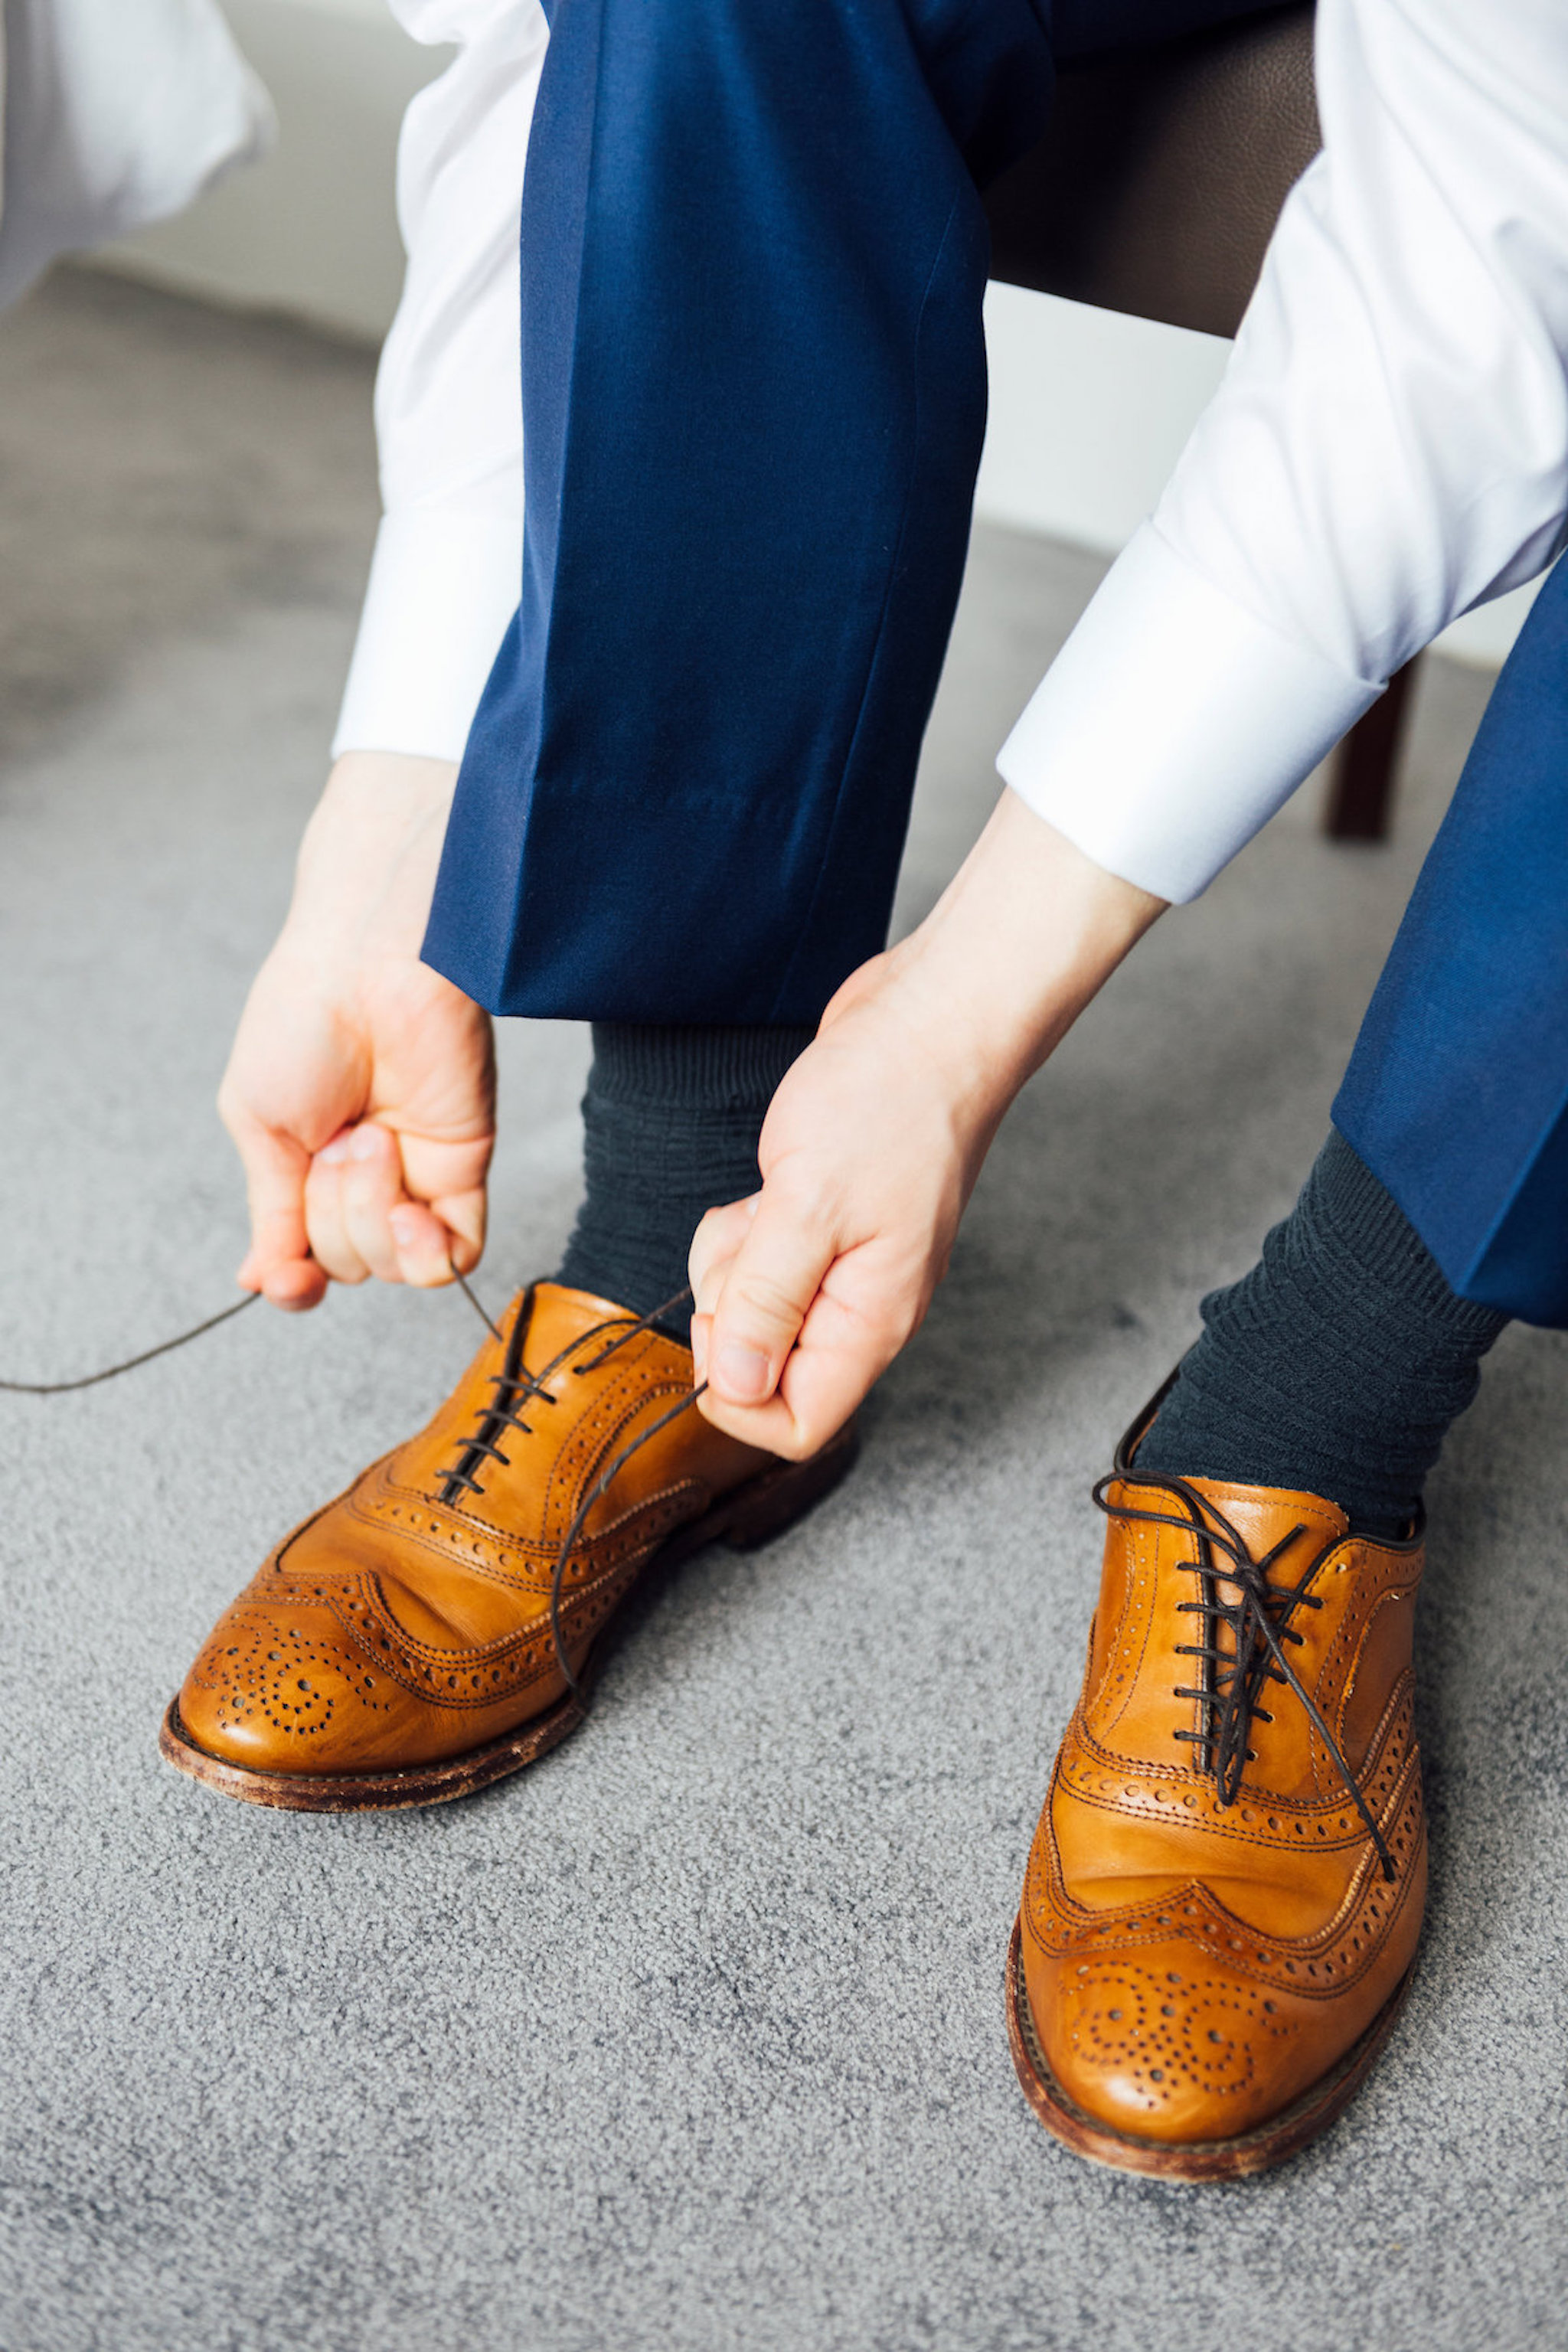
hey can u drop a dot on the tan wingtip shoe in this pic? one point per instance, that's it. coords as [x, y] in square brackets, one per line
[401, 1646]
[1226, 1890]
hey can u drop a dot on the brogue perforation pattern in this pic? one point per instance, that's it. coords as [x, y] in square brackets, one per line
[481, 1675]
[1318, 1964]
[521, 1562]
[255, 1675]
[596, 1434]
[1095, 1777]
[1125, 1656]
[1172, 2031]
[1337, 1681]
[289, 1676]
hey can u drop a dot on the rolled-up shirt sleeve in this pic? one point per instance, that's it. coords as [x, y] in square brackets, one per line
[445, 576]
[1388, 448]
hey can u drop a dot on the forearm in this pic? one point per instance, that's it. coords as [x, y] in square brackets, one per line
[367, 868]
[1025, 936]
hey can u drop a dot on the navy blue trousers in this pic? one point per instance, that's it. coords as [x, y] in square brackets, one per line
[1456, 1094]
[753, 390]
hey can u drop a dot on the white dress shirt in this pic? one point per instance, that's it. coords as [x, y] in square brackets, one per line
[1388, 447]
[118, 112]
[447, 569]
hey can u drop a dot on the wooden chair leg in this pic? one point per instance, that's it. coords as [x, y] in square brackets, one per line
[1362, 791]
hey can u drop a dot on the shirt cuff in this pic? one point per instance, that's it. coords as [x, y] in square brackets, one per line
[1173, 724]
[443, 589]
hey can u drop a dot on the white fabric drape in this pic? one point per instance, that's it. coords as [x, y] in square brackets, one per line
[118, 112]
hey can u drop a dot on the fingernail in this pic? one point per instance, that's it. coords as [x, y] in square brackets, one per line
[364, 1143]
[405, 1223]
[740, 1372]
[337, 1150]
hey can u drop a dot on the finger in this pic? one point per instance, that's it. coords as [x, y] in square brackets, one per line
[426, 1249]
[772, 1427]
[836, 1360]
[283, 1282]
[362, 1219]
[325, 1222]
[713, 1248]
[295, 1288]
[437, 1170]
[765, 1297]
[277, 1262]
[463, 1216]
[398, 1235]
[448, 1179]
[370, 1187]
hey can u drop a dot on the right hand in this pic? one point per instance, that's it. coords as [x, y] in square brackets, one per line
[807, 1291]
[360, 1091]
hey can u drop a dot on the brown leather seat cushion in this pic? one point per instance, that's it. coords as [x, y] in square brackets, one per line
[1159, 183]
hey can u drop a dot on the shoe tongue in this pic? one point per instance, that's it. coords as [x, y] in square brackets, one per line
[1264, 1515]
[559, 1316]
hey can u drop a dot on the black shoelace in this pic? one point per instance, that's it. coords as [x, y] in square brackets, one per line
[183, 1340]
[1231, 1681]
[515, 1388]
[130, 1364]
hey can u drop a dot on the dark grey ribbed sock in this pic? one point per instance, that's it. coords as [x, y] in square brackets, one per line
[670, 1123]
[1336, 1366]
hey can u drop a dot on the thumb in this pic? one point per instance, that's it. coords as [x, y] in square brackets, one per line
[767, 1291]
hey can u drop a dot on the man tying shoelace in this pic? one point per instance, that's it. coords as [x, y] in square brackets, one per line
[752, 403]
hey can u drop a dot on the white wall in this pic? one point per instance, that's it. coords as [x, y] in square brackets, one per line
[1088, 409]
[1088, 413]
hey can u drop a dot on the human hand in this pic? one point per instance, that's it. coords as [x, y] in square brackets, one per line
[805, 1292]
[360, 1091]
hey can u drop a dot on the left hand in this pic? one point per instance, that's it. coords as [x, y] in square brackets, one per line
[360, 1090]
[805, 1292]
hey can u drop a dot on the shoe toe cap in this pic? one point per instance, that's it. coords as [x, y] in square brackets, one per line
[1165, 2045]
[282, 1688]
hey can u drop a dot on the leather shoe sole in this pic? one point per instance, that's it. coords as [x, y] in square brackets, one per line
[749, 1515]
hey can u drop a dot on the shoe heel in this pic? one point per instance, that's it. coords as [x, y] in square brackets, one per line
[782, 1496]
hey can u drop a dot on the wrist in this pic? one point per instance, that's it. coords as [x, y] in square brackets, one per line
[367, 868]
[1024, 937]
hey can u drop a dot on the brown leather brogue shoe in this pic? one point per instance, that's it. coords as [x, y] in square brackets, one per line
[435, 1627]
[1225, 1889]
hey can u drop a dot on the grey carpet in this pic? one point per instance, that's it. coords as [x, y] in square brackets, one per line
[692, 2037]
